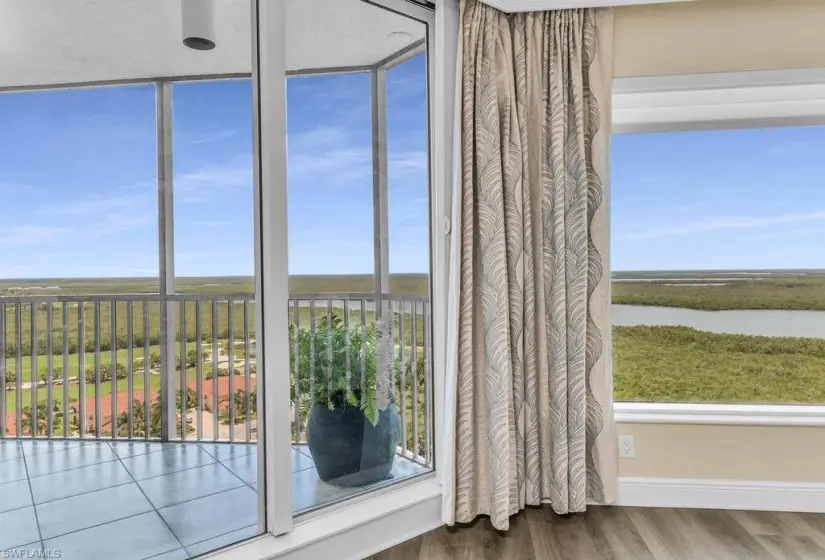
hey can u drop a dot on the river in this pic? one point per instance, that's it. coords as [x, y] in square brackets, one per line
[756, 322]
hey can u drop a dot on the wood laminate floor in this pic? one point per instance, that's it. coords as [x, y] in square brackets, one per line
[626, 534]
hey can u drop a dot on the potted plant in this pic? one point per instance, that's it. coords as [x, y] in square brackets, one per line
[352, 433]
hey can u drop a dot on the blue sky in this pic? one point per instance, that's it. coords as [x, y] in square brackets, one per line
[78, 178]
[78, 185]
[727, 199]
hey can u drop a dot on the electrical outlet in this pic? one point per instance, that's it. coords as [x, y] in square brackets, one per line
[627, 449]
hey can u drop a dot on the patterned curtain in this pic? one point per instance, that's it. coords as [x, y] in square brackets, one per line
[533, 386]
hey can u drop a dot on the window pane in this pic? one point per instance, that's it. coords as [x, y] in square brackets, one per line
[360, 384]
[408, 176]
[78, 184]
[214, 243]
[119, 367]
[718, 280]
[330, 184]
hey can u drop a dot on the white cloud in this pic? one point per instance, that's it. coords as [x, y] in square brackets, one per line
[408, 161]
[316, 137]
[17, 271]
[97, 206]
[61, 265]
[232, 174]
[8, 189]
[329, 254]
[20, 235]
[407, 85]
[788, 148]
[724, 223]
[214, 224]
[107, 215]
[339, 165]
[207, 137]
[114, 223]
[190, 256]
[131, 133]
[107, 271]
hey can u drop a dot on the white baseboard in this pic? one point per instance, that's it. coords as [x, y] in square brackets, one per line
[722, 494]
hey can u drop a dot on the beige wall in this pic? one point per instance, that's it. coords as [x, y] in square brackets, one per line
[782, 454]
[718, 36]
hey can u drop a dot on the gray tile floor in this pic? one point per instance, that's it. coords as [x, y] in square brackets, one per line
[138, 500]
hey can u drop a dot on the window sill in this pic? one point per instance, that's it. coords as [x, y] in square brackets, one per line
[720, 414]
[352, 532]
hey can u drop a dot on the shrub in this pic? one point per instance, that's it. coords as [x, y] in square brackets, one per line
[221, 373]
[154, 360]
[39, 425]
[239, 404]
[121, 372]
[139, 426]
[192, 358]
[57, 373]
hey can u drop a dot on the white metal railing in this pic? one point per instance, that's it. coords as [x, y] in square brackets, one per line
[96, 366]
[332, 347]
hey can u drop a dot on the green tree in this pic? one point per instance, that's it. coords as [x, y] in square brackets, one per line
[239, 404]
[155, 417]
[27, 420]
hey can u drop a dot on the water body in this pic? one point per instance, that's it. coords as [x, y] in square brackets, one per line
[753, 322]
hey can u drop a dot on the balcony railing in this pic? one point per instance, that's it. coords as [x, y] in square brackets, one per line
[94, 367]
[337, 347]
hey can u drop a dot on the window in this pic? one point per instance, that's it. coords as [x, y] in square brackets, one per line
[408, 176]
[718, 284]
[330, 184]
[212, 132]
[358, 189]
[78, 184]
[144, 240]
[127, 387]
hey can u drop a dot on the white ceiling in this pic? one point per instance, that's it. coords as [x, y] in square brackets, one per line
[45, 42]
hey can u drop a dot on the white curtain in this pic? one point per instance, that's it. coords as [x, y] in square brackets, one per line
[529, 386]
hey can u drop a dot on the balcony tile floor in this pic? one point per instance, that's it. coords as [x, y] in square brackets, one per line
[139, 500]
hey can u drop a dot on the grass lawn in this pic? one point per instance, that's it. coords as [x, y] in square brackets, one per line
[680, 364]
[105, 389]
[105, 358]
[803, 294]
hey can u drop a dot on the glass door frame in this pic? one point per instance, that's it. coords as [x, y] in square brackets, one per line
[270, 178]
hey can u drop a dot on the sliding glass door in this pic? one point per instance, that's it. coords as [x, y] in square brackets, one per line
[344, 252]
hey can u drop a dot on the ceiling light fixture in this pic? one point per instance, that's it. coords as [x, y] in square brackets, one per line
[399, 38]
[198, 24]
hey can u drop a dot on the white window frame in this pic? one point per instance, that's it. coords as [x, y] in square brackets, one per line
[723, 100]
[378, 520]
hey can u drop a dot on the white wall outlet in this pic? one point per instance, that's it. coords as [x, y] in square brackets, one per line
[627, 449]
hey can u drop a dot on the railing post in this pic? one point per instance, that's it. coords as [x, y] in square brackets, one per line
[166, 254]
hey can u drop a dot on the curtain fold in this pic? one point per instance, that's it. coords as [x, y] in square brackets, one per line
[532, 387]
